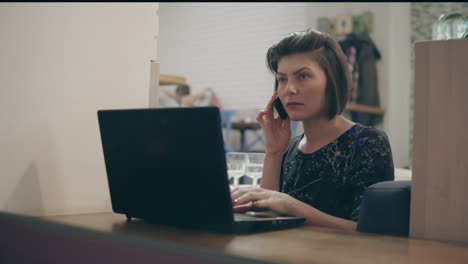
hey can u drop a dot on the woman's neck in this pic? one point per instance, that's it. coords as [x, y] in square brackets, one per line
[319, 132]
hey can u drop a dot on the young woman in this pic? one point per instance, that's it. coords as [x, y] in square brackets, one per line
[322, 174]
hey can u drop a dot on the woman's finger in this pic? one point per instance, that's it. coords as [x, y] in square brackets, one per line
[240, 209]
[269, 107]
[239, 192]
[249, 197]
[261, 204]
[260, 118]
[286, 124]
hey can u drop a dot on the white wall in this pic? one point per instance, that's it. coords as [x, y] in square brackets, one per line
[223, 46]
[60, 63]
[397, 117]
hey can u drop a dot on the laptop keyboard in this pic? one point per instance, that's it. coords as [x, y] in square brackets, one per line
[253, 216]
[244, 217]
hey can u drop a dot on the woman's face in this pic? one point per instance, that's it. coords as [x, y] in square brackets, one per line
[301, 86]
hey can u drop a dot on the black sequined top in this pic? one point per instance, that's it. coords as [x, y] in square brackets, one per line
[333, 179]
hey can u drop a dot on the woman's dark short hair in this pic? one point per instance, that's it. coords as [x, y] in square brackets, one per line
[328, 54]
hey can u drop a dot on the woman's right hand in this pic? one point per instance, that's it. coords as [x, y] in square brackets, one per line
[277, 132]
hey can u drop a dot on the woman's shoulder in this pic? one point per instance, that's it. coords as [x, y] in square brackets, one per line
[373, 154]
[370, 137]
[368, 133]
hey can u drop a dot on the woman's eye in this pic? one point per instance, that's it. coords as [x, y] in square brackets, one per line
[303, 76]
[282, 80]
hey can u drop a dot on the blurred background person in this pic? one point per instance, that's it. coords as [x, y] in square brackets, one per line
[182, 97]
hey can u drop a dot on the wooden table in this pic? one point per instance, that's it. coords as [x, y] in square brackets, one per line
[306, 244]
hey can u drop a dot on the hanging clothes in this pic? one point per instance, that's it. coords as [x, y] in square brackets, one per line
[350, 47]
[365, 74]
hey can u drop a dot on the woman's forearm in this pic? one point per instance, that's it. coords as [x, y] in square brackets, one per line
[319, 218]
[271, 171]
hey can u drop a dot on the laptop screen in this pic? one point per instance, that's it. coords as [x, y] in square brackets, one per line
[167, 165]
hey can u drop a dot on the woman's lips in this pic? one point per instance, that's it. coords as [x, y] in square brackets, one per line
[294, 104]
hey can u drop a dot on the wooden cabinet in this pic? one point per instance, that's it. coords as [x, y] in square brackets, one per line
[439, 199]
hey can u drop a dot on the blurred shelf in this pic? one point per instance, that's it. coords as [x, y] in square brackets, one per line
[167, 79]
[365, 109]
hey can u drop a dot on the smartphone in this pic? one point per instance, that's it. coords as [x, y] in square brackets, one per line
[280, 109]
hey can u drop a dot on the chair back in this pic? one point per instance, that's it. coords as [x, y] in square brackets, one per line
[385, 208]
[226, 121]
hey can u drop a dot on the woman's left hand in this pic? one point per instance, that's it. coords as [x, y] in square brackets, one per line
[253, 199]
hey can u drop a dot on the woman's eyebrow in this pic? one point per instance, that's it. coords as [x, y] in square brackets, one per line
[301, 69]
[296, 72]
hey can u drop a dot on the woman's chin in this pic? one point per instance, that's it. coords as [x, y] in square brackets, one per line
[295, 117]
[303, 117]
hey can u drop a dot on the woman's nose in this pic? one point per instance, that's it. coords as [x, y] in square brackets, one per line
[291, 88]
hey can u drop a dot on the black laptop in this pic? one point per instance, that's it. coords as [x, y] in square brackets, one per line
[168, 166]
